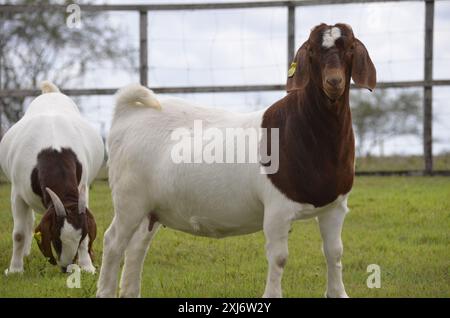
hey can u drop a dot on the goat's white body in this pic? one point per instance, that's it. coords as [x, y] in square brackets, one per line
[214, 200]
[51, 121]
[218, 199]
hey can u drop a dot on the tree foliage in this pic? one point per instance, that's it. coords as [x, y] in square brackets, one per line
[379, 116]
[39, 45]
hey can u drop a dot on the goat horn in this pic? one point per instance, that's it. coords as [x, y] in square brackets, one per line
[82, 199]
[59, 206]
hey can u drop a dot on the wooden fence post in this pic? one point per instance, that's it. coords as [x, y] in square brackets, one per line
[1, 87]
[143, 49]
[1, 121]
[291, 34]
[428, 89]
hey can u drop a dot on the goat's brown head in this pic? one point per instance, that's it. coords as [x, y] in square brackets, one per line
[64, 227]
[329, 58]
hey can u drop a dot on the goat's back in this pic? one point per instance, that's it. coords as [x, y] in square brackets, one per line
[200, 198]
[51, 121]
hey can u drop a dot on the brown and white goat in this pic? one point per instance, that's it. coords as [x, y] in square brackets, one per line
[51, 156]
[307, 172]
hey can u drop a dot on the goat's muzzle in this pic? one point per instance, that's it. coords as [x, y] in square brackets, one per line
[334, 84]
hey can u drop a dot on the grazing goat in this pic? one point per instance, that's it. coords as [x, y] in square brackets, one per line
[313, 179]
[51, 156]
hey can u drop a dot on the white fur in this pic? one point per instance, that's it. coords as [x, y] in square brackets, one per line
[136, 95]
[214, 200]
[84, 259]
[330, 36]
[70, 239]
[49, 87]
[51, 121]
[130, 282]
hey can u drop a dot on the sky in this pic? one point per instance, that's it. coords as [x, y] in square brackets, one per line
[248, 46]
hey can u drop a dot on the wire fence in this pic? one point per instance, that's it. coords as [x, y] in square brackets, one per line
[293, 11]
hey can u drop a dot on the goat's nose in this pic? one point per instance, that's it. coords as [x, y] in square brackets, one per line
[64, 269]
[334, 81]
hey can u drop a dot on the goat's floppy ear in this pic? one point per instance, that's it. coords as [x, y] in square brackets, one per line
[92, 231]
[43, 236]
[364, 73]
[298, 74]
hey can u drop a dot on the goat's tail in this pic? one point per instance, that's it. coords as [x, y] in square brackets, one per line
[136, 95]
[49, 87]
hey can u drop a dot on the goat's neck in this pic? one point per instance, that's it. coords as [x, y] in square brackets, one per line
[317, 95]
[316, 146]
[326, 127]
[63, 181]
[68, 195]
[333, 117]
[58, 170]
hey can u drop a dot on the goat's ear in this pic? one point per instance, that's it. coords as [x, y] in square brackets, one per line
[92, 231]
[364, 73]
[43, 236]
[298, 74]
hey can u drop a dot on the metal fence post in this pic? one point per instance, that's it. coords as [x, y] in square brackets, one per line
[428, 89]
[291, 34]
[1, 121]
[1, 87]
[143, 53]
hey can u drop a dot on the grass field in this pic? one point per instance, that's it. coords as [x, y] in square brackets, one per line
[401, 224]
[366, 164]
[401, 163]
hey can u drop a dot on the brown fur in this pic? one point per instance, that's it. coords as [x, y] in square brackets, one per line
[92, 232]
[152, 219]
[61, 172]
[18, 237]
[317, 148]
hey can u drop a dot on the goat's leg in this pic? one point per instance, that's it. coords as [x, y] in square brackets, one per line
[29, 238]
[330, 224]
[126, 221]
[130, 283]
[22, 232]
[84, 259]
[276, 231]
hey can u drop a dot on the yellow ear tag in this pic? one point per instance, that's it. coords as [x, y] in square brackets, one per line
[292, 69]
[38, 237]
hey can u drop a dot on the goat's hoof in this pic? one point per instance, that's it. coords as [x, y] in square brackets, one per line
[13, 270]
[89, 269]
[337, 295]
[129, 295]
[105, 295]
[272, 295]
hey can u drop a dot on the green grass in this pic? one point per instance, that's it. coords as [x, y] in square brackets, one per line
[401, 224]
[398, 163]
[370, 163]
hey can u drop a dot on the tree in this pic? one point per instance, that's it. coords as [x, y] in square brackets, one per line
[39, 45]
[379, 116]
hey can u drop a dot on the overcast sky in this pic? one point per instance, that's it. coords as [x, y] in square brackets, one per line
[248, 46]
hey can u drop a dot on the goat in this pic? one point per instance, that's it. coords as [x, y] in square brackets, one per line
[51, 156]
[313, 179]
